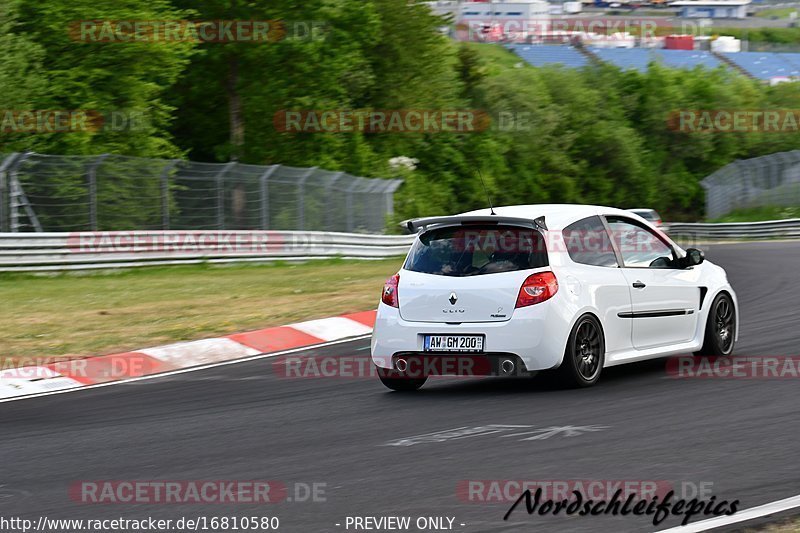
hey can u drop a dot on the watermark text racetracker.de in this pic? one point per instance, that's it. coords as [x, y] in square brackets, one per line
[195, 31]
[734, 121]
[42, 121]
[397, 121]
[204, 492]
[234, 241]
[734, 367]
[9, 524]
[587, 29]
[356, 367]
[594, 497]
[381, 121]
[86, 370]
[488, 491]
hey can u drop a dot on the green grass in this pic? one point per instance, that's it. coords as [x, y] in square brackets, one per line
[114, 311]
[757, 214]
[777, 12]
[791, 525]
[789, 36]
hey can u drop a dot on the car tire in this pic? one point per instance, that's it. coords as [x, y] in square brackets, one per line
[585, 353]
[720, 334]
[402, 384]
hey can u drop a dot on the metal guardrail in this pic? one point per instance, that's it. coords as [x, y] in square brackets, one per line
[43, 252]
[770, 229]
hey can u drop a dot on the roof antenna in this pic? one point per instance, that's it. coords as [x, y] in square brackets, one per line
[488, 196]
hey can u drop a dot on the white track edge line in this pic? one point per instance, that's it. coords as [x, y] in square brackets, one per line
[186, 370]
[748, 514]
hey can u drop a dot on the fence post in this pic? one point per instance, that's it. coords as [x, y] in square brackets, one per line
[349, 203]
[5, 199]
[264, 207]
[373, 206]
[21, 200]
[4, 196]
[301, 198]
[92, 179]
[329, 209]
[389, 197]
[220, 179]
[165, 221]
[13, 201]
[15, 192]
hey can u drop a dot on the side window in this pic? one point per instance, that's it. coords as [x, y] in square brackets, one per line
[638, 245]
[587, 242]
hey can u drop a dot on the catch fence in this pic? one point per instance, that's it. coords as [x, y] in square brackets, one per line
[770, 180]
[47, 193]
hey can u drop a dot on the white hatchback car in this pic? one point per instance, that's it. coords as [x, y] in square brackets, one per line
[573, 288]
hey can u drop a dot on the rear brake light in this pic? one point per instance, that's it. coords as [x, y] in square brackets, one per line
[389, 296]
[537, 288]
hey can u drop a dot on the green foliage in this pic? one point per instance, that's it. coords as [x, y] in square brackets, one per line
[596, 135]
[129, 79]
[764, 35]
[22, 79]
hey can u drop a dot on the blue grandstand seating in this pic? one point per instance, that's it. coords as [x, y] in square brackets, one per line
[688, 58]
[540, 55]
[762, 65]
[792, 57]
[765, 65]
[625, 58]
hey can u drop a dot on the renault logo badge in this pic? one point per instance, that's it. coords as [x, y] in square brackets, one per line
[453, 298]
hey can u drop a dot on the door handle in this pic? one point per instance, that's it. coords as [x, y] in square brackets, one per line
[639, 285]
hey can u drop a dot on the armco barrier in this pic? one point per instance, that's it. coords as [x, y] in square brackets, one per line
[32, 252]
[789, 228]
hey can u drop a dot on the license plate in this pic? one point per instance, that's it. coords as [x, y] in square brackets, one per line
[453, 343]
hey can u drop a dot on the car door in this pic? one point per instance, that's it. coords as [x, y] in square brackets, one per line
[596, 271]
[664, 299]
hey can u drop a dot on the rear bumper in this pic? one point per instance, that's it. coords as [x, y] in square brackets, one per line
[424, 364]
[536, 334]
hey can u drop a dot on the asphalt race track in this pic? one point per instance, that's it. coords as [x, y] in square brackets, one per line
[245, 422]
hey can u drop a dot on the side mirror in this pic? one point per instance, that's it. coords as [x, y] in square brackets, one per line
[694, 257]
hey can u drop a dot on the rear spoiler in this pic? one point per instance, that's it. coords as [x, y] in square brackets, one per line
[417, 224]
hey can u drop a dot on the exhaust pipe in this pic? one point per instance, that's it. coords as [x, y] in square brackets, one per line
[401, 365]
[507, 366]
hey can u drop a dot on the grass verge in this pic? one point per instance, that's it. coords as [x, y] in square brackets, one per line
[758, 214]
[786, 526]
[777, 12]
[114, 311]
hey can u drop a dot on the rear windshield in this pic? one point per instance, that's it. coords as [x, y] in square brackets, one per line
[477, 249]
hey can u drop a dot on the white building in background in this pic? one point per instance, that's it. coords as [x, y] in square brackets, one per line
[726, 44]
[510, 21]
[714, 9]
[445, 7]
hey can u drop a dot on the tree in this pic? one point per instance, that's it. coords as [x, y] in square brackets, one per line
[22, 80]
[128, 79]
